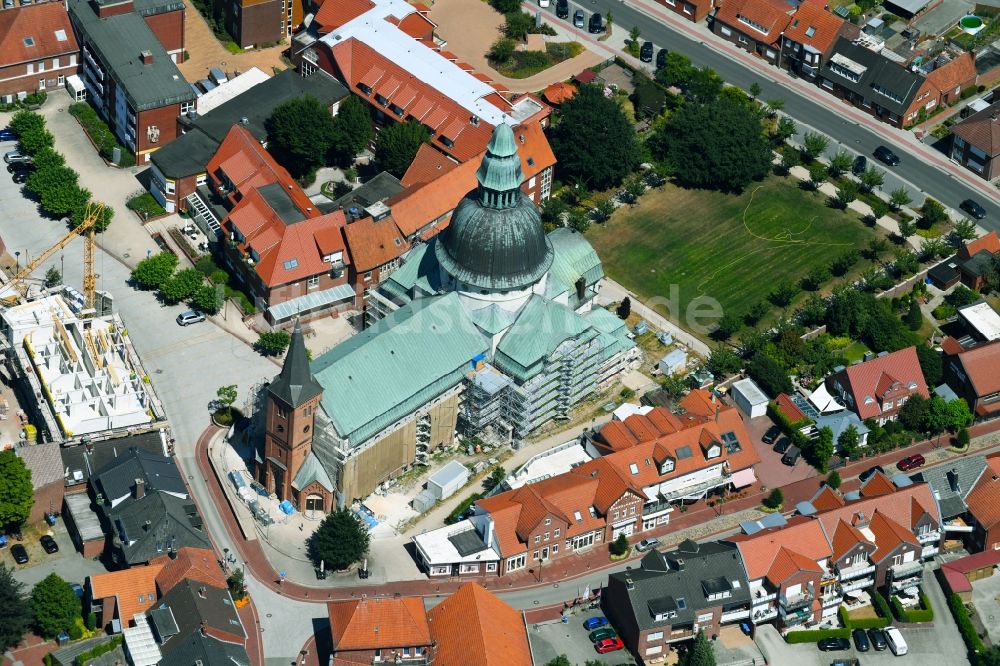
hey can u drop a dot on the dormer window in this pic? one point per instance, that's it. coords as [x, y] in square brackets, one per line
[365, 89]
[912, 386]
[869, 400]
[667, 466]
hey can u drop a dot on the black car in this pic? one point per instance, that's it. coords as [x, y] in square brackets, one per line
[19, 554]
[861, 642]
[860, 164]
[20, 177]
[834, 644]
[886, 155]
[782, 445]
[20, 167]
[661, 58]
[596, 23]
[771, 435]
[791, 456]
[973, 208]
[870, 472]
[646, 52]
[49, 544]
[562, 9]
[877, 638]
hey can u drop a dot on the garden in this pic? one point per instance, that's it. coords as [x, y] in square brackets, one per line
[101, 135]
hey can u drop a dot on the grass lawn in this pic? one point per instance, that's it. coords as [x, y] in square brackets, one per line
[855, 352]
[733, 248]
[528, 63]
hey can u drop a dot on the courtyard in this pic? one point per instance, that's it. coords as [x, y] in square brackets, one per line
[687, 244]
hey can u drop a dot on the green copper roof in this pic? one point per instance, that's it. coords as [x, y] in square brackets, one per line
[605, 321]
[574, 257]
[389, 370]
[310, 471]
[419, 272]
[540, 328]
[499, 173]
[492, 319]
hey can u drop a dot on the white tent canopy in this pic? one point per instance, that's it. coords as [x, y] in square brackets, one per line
[824, 402]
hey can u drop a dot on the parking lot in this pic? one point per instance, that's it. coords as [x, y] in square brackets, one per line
[68, 563]
[551, 640]
[771, 471]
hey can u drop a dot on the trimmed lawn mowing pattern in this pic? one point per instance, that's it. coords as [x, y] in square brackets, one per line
[733, 248]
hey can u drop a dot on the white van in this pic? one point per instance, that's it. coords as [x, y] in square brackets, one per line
[895, 640]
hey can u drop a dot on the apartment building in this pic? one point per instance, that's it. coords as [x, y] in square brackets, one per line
[38, 50]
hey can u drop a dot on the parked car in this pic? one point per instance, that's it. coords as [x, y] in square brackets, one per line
[578, 18]
[746, 628]
[973, 208]
[12, 156]
[782, 445]
[595, 622]
[897, 645]
[834, 644]
[19, 554]
[190, 317]
[877, 638]
[602, 633]
[646, 52]
[609, 645]
[869, 473]
[887, 156]
[20, 177]
[20, 167]
[661, 58]
[911, 462]
[7, 134]
[791, 456]
[861, 642]
[562, 9]
[596, 23]
[771, 435]
[49, 544]
[647, 544]
[77, 590]
[846, 661]
[860, 164]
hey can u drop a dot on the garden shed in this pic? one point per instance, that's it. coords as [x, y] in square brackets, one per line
[673, 362]
[749, 398]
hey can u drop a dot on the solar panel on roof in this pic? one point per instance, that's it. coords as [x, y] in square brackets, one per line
[683, 452]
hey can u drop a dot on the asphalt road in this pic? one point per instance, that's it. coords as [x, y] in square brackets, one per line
[825, 118]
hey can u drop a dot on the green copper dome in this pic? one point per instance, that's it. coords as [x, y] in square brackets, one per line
[496, 239]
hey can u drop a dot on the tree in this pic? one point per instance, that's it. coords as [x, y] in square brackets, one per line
[578, 221]
[225, 396]
[700, 653]
[964, 230]
[843, 263]
[47, 158]
[815, 279]
[906, 262]
[272, 343]
[877, 247]
[237, 584]
[775, 499]
[496, 477]
[505, 6]
[846, 193]
[16, 492]
[899, 198]
[822, 449]
[813, 145]
[931, 213]
[718, 145]
[676, 70]
[624, 308]
[817, 175]
[840, 163]
[55, 606]
[961, 440]
[53, 277]
[931, 248]
[620, 545]
[181, 285]
[300, 133]
[31, 132]
[879, 210]
[397, 145]
[783, 130]
[15, 611]
[648, 99]
[552, 211]
[782, 294]
[723, 361]
[634, 33]
[914, 317]
[871, 179]
[727, 326]
[772, 106]
[604, 208]
[833, 478]
[704, 85]
[594, 142]
[153, 271]
[931, 364]
[914, 412]
[769, 375]
[352, 129]
[755, 313]
[959, 415]
[561, 660]
[57, 189]
[609, 18]
[103, 219]
[502, 50]
[517, 25]
[339, 541]
[207, 298]
[754, 90]
[849, 441]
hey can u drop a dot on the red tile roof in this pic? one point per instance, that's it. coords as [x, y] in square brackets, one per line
[196, 564]
[133, 588]
[827, 498]
[433, 201]
[889, 534]
[378, 622]
[845, 537]
[878, 484]
[789, 408]
[772, 15]
[473, 626]
[811, 24]
[982, 129]
[334, 13]
[373, 244]
[559, 92]
[989, 242]
[760, 550]
[428, 165]
[955, 75]
[982, 366]
[984, 500]
[33, 33]
[900, 369]
[248, 165]
[787, 563]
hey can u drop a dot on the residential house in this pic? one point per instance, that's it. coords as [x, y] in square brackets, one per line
[951, 484]
[984, 507]
[180, 167]
[694, 11]
[80, 461]
[975, 142]
[672, 595]
[974, 374]
[474, 626]
[975, 260]
[289, 256]
[193, 622]
[376, 250]
[118, 596]
[961, 573]
[878, 388]
[949, 78]
[38, 50]
[808, 39]
[45, 465]
[754, 25]
[374, 629]
[129, 72]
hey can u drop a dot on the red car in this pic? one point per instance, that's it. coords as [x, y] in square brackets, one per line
[911, 462]
[609, 645]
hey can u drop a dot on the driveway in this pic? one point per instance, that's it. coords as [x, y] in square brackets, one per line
[68, 563]
[985, 596]
[943, 17]
[771, 471]
[551, 640]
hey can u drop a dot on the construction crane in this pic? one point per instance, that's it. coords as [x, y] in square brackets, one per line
[17, 287]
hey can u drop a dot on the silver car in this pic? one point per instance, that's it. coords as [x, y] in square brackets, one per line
[647, 544]
[190, 317]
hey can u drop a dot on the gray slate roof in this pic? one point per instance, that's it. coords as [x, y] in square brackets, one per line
[155, 525]
[952, 482]
[662, 584]
[295, 384]
[98, 455]
[381, 187]
[118, 42]
[117, 478]
[198, 649]
[194, 603]
[879, 72]
[44, 462]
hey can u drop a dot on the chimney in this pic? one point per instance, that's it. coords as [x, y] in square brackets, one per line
[718, 408]
[147, 57]
[201, 591]
[953, 480]
[140, 488]
[203, 628]
[629, 585]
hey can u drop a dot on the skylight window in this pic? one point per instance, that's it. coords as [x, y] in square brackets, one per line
[291, 263]
[61, 35]
[29, 41]
[810, 31]
[576, 514]
[633, 468]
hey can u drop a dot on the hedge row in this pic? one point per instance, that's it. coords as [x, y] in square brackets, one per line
[923, 614]
[861, 622]
[816, 635]
[881, 605]
[100, 133]
[972, 640]
[94, 653]
[790, 427]
[461, 508]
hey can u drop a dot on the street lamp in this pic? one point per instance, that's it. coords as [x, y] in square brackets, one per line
[17, 261]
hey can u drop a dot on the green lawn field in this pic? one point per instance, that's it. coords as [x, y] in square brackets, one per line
[733, 248]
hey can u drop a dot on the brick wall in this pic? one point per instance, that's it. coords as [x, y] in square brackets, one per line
[165, 119]
[255, 23]
[15, 78]
[169, 29]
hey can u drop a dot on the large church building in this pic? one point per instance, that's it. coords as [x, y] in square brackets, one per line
[488, 326]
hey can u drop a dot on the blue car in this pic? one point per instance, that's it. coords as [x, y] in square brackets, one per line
[595, 622]
[7, 135]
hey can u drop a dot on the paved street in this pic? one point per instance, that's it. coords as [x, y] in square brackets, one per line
[926, 169]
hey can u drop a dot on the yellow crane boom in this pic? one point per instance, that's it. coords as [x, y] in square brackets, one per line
[90, 218]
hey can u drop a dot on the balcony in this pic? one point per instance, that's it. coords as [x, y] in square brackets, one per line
[658, 507]
[735, 615]
[798, 617]
[929, 552]
[408, 661]
[906, 570]
[856, 570]
[760, 596]
[764, 614]
[857, 584]
[794, 602]
[929, 537]
[695, 490]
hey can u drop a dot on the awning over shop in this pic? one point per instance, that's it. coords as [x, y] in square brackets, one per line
[744, 478]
